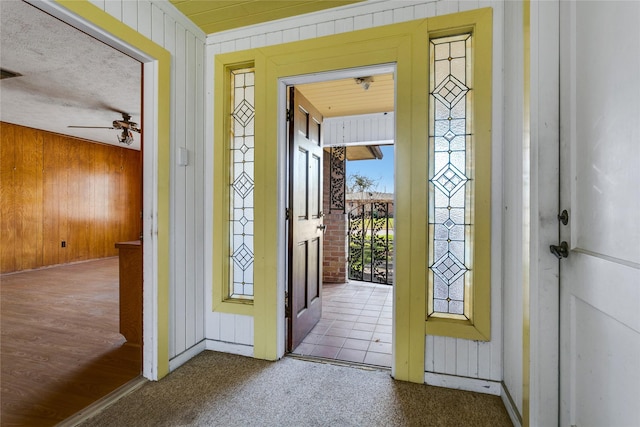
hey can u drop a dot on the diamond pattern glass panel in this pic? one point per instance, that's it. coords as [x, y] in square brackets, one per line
[241, 146]
[450, 176]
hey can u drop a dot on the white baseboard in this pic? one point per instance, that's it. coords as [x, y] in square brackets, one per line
[207, 344]
[229, 347]
[463, 383]
[186, 355]
[512, 410]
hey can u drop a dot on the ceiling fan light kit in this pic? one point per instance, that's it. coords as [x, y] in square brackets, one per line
[365, 82]
[126, 137]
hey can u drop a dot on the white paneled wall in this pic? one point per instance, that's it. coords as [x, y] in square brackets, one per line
[372, 13]
[162, 23]
[230, 329]
[443, 355]
[464, 358]
[512, 204]
[378, 128]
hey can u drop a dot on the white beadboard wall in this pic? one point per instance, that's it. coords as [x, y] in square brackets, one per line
[443, 355]
[512, 204]
[166, 26]
[364, 128]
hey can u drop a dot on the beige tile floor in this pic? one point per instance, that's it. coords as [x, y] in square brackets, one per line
[355, 324]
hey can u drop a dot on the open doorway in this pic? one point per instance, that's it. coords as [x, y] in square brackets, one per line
[61, 306]
[355, 291]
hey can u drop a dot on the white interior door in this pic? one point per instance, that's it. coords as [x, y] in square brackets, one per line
[600, 189]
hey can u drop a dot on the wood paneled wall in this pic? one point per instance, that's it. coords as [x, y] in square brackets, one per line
[55, 188]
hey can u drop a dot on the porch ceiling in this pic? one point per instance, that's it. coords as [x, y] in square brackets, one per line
[346, 97]
[216, 16]
[361, 152]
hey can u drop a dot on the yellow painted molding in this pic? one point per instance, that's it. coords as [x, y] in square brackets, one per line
[220, 251]
[454, 328]
[266, 220]
[415, 190]
[369, 47]
[405, 45]
[480, 23]
[111, 25]
[232, 306]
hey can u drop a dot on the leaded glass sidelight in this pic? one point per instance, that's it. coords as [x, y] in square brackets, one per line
[450, 175]
[241, 157]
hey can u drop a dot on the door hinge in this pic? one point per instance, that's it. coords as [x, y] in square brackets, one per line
[564, 217]
[289, 115]
[287, 214]
[560, 251]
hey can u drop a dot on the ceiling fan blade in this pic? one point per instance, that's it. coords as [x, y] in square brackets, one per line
[91, 127]
[106, 106]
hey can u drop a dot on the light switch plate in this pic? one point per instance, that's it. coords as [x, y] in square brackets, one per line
[183, 157]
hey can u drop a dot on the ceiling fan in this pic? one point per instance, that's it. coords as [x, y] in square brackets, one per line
[126, 125]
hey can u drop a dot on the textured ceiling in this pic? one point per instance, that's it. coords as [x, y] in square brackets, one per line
[68, 78]
[71, 79]
[215, 16]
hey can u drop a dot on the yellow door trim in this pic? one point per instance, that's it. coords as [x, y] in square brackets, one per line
[406, 45]
[107, 23]
[479, 24]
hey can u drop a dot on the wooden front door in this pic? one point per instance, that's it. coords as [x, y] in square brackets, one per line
[600, 189]
[305, 218]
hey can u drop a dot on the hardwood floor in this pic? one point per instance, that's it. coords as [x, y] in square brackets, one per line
[60, 346]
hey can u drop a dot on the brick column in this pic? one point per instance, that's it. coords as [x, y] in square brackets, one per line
[334, 261]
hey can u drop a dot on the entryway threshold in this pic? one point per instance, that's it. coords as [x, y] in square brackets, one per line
[101, 404]
[325, 360]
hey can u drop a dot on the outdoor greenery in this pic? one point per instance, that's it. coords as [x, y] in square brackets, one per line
[371, 234]
[365, 259]
[357, 183]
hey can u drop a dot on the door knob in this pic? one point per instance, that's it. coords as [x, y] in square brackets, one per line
[560, 251]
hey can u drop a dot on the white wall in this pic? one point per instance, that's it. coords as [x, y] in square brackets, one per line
[376, 128]
[191, 204]
[162, 23]
[512, 251]
[444, 356]
[530, 208]
[544, 208]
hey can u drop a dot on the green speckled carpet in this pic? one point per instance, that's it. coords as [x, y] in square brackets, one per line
[218, 389]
